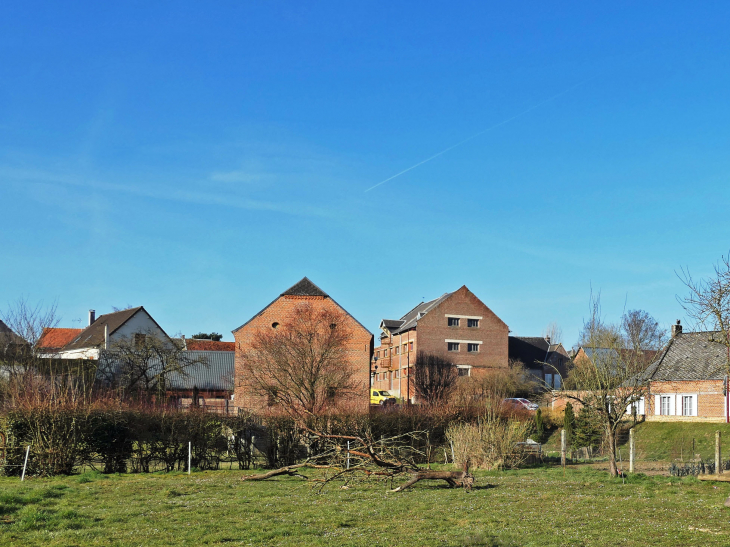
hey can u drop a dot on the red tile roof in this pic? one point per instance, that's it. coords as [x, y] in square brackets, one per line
[209, 345]
[53, 338]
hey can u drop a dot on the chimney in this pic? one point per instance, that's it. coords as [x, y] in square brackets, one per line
[106, 336]
[676, 329]
[92, 316]
[547, 339]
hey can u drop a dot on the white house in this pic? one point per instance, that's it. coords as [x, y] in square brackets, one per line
[102, 332]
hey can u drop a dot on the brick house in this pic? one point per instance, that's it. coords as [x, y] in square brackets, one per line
[687, 382]
[359, 349]
[457, 326]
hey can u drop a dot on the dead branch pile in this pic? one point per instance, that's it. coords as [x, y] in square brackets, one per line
[351, 458]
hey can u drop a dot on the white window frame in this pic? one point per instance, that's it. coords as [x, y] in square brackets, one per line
[465, 367]
[693, 404]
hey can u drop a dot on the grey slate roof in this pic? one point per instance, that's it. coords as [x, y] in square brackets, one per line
[533, 351]
[304, 288]
[409, 320]
[216, 376]
[690, 356]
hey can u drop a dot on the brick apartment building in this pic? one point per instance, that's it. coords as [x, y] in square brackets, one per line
[359, 350]
[457, 326]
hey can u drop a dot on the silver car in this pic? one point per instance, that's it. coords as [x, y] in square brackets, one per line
[520, 403]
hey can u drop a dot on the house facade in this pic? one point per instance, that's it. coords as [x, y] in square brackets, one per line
[688, 380]
[359, 348]
[457, 326]
[105, 330]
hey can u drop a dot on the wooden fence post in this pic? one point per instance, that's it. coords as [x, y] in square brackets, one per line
[632, 450]
[718, 453]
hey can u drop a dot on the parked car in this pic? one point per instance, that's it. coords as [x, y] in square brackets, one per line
[381, 398]
[519, 404]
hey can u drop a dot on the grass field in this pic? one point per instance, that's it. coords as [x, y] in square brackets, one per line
[528, 507]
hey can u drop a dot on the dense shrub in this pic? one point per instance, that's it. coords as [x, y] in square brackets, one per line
[492, 442]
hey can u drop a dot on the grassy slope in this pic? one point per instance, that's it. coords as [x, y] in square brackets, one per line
[673, 441]
[527, 507]
[667, 442]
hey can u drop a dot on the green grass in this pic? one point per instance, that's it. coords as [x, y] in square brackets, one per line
[667, 441]
[529, 507]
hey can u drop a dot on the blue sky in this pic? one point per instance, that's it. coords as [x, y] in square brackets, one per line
[200, 158]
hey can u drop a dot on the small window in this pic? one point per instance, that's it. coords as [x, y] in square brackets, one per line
[405, 348]
[473, 323]
[139, 340]
[464, 371]
[385, 353]
[453, 346]
[410, 346]
[666, 402]
[687, 406]
[333, 326]
[396, 350]
[453, 321]
[274, 325]
[472, 348]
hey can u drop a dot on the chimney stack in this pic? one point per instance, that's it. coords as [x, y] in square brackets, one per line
[92, 316]
[676, 329]
[106, 336]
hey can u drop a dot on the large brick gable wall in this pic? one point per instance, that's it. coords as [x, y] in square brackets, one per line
[359, 350]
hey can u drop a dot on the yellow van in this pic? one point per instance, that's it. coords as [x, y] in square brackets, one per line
[378, 397]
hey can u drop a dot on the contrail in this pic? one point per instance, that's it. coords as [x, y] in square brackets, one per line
[475, 135]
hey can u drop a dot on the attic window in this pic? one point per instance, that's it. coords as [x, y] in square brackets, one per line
[139, 340]
[274, 325]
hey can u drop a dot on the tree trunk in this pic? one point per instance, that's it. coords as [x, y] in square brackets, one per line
[453, 478]
[612, 468]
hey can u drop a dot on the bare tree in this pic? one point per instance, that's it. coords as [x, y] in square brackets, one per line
[302, 364]
[708, 303]
[30, 320]
[435, 378]
[554, 333]
[642, 332]
[25, 323]
[143, 363]
[609, 379]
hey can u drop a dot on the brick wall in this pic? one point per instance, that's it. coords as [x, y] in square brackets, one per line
[492, 332]
[710, 400]
[359, 350]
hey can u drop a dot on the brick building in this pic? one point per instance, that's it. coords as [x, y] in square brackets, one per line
[687, 381]
[359, 350]
[457, 326]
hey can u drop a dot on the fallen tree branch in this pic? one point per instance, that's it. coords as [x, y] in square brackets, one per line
[454, 478]
[290, 470]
